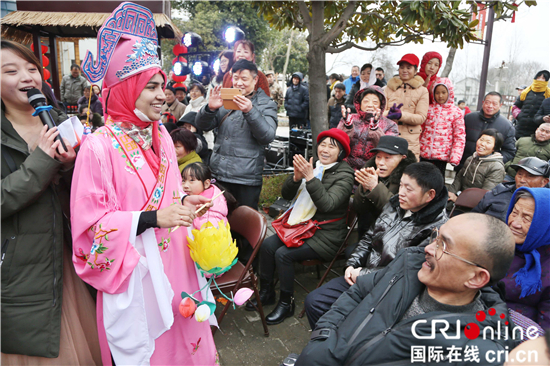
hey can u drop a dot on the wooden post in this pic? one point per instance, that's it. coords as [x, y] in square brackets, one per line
[37, 47]
[76, 52]
[54, 66]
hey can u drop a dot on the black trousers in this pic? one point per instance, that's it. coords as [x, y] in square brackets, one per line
[244, 194]
[296, 122]
[275, 254]
[319, 301]
[441, 165]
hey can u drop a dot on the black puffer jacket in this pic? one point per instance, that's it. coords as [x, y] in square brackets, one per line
[372, 202]
[526, 124]
[392, 232]
[476, 122]
[366, 327]
[297, 99]
[496, 201]
[354, 89]
[544, 110]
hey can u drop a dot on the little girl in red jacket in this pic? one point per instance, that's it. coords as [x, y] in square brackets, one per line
[443, 133]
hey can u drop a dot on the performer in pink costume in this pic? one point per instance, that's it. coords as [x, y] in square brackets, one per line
[126, 200]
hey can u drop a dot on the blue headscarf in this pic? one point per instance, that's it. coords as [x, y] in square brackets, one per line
[529, 277]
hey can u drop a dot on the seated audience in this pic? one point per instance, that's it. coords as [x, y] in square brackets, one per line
[408, 101]
[528, 280]
[488, 117]
[94, 104]
[380, 178]
[529, 102]
[366, 78]
[365, 127]
[181, 93]
[530, 172]
[172, 105]
[537, 145]
[372, 322]
[188, 122]
[185, 144]
[321, 193]
[463, 107]
[406, 221]
[484, 169]
[443, 134]
[334, 105]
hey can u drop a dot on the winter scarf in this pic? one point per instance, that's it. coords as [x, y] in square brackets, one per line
[121, 103]
[529, 277]
[537, 86]
[422, 73]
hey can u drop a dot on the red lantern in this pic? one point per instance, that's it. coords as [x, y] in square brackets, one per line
[179, 49]
[46, 74]
[179, 79]
[43, 48]
[179, 58]
[45, 61]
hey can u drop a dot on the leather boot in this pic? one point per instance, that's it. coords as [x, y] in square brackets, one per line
[284, 309]
[267, 296]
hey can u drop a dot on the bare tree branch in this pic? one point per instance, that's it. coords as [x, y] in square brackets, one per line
[340, 24]
[304, 11]
[347, 45]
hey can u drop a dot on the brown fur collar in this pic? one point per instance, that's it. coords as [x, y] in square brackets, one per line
[395, 82]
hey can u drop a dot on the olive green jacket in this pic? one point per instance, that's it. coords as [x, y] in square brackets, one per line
[331, 197]
[33, 230]
[525, 147]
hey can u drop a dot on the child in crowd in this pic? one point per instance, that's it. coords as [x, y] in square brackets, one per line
[443, 133]
[197, 180]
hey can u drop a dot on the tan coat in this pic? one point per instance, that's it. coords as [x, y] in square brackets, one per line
[415, 101]
[177, 108]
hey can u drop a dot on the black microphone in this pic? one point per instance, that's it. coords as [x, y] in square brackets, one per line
[38, 101]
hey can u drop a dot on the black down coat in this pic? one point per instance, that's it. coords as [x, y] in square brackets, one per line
[526, 124]
[544, 110]
[297, 99]
[392, 232]
[496, 201]
[364, 325]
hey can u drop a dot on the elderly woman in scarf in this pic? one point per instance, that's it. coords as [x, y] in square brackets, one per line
[321, 192]
[528, 279]
[529, 102]
[126, 202]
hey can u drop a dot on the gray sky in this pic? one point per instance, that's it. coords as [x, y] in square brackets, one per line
[528, 39]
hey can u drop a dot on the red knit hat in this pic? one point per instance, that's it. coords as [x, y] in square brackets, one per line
[339, 136]
[410, 58]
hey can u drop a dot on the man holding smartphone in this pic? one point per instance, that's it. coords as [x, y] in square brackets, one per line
[237, 160]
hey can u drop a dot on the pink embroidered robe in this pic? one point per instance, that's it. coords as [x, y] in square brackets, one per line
[112, 181]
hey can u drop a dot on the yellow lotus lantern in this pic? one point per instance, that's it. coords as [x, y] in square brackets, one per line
[214, 252]
[213, 249]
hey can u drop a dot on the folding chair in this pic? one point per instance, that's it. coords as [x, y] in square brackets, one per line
[351, 222]
[468, 199]
[253, 226]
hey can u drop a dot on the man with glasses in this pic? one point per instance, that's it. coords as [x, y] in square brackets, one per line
[488, 117]
[429, 305]
[406, 221]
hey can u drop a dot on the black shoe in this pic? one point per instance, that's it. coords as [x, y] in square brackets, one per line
[267, 297]
[282, 311]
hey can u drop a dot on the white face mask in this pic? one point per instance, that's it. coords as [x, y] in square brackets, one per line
[141, 115]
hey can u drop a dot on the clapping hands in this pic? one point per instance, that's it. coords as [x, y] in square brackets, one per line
[367, 177]
[302, 168]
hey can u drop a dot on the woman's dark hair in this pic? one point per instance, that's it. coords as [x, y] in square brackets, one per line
[499, 139]
[228, 54]
[202, 172]
[50, 97]
[198, 85]
[366, 66]
[335, 142]
[184, 137]
[335, 76]
[544, 73]
[371, 91]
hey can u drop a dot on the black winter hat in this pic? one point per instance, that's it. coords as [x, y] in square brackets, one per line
[392, 145]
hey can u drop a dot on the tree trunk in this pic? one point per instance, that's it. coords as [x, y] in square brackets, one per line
[449, 63]
[288, 54]
[317, 80]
